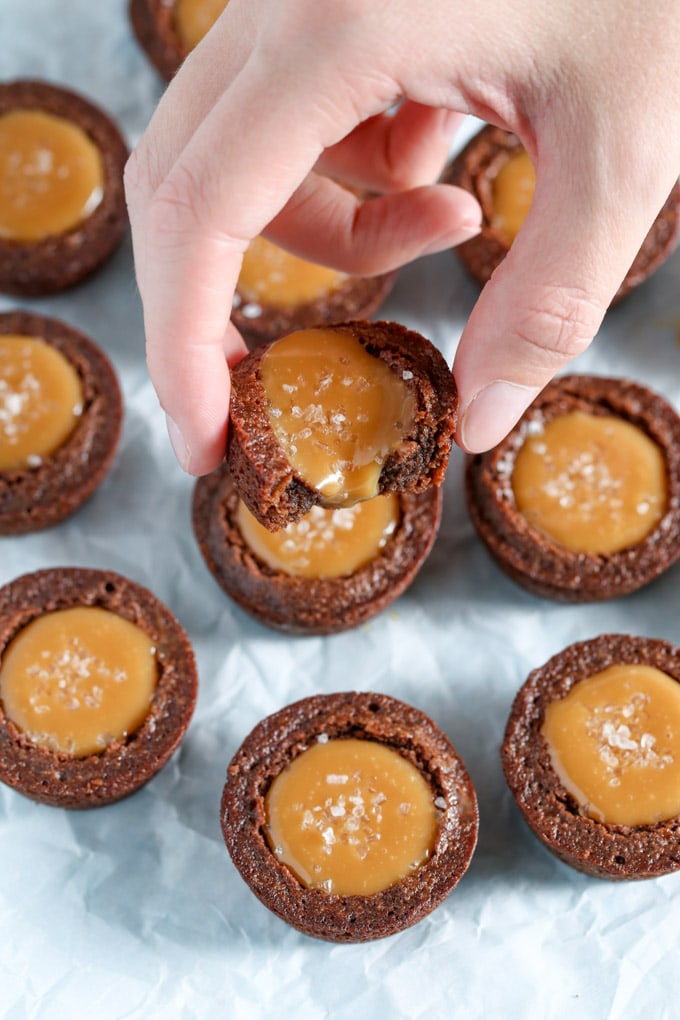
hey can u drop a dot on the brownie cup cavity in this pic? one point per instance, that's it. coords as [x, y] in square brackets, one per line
[331, 416]
[97, 686]
[590, 755]
[581, 501]
[62, 207]
[332, 570]
[167, 30]
[496, 169]
[382, 774]
[60, 421]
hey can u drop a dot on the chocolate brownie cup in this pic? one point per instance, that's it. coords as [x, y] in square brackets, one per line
[477, 167]
[41, 489]
[620, 494]
[72, 217]
[38, 766]
[433, 803]
[167, 30]
[292, 599]
[333, 415]
[613, 811]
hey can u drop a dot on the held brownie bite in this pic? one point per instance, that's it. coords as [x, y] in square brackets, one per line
[62, 207]
[334, 415]
[581, 501]
[329, 571]
[167, 30]
[496, 168]
[60, 420]
[590, 755]
[350, 815]
[97, 686]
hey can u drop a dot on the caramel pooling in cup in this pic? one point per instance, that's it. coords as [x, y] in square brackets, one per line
[193, 19]
[512, 194]
[336, 410]
[613, 742]
[75, 680]
[51, 175]
[272, 276]
[351, 817]
[595, 484]
[41, 399]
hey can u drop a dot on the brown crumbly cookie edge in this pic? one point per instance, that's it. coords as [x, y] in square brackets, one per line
[32, 498]
[55, 263]
[275, 742]
[151, 22]
[532, 559]
[595, 848]
[62, 780]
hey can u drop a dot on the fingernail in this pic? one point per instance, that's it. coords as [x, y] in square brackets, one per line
[491, 414]
[179, 444]
[464, 231]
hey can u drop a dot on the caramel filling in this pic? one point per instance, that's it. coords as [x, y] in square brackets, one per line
[51, 175]
[512, 195]
[272, 276]
[594, 484]
[614, 741]
[193, 19]
[325, 543]
[336, 411]
[41, 398]
[77, 679]
[351, 817]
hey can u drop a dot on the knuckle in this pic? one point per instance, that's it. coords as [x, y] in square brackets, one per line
[560, 322]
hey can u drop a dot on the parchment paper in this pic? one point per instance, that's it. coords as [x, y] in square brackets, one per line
[135, 910]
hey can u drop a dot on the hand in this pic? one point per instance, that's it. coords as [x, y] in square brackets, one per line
[277, 91]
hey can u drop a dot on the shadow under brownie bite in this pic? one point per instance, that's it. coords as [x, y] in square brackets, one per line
[581, 501]
[331, 861]
[590, 755]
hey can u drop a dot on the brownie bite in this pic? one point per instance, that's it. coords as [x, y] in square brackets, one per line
[328, 417]
[167, 30]
[97, 686]
[62, 206]
[329, 572]
[581, 501]
[395, 825]
[590, 756]
[495, 167]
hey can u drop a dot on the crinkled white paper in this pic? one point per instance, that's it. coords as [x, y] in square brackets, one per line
[135, 910]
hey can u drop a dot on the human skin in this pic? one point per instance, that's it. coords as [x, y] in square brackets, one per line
[280, 94]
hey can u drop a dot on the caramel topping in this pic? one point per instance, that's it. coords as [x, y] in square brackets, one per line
[272, 276]
[325, 543]
[351, 817]
[336, 411]
[41, 399]
[512, 195]
[194, 18]
[614, 741]
[594, 484]
[77, 679]
[51, 175]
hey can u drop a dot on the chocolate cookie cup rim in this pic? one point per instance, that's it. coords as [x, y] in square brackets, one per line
[64, 780]
[600, 849]
[356, 297]
[33, 498]
[530, 557]
[152, 24]
[276, 741]
[269, 486]
[473, 169]
[310, 606]
[59, 261]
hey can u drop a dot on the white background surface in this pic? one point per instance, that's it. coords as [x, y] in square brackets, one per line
[135, 910]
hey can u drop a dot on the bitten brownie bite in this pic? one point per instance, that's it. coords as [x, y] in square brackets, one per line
[334, 415]
[496, 168]
[60, 420]
[62, 207]
[581, 501]
[350, 815]
[97, 686]
[590, 755]
[167, 30]
[328, 572]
